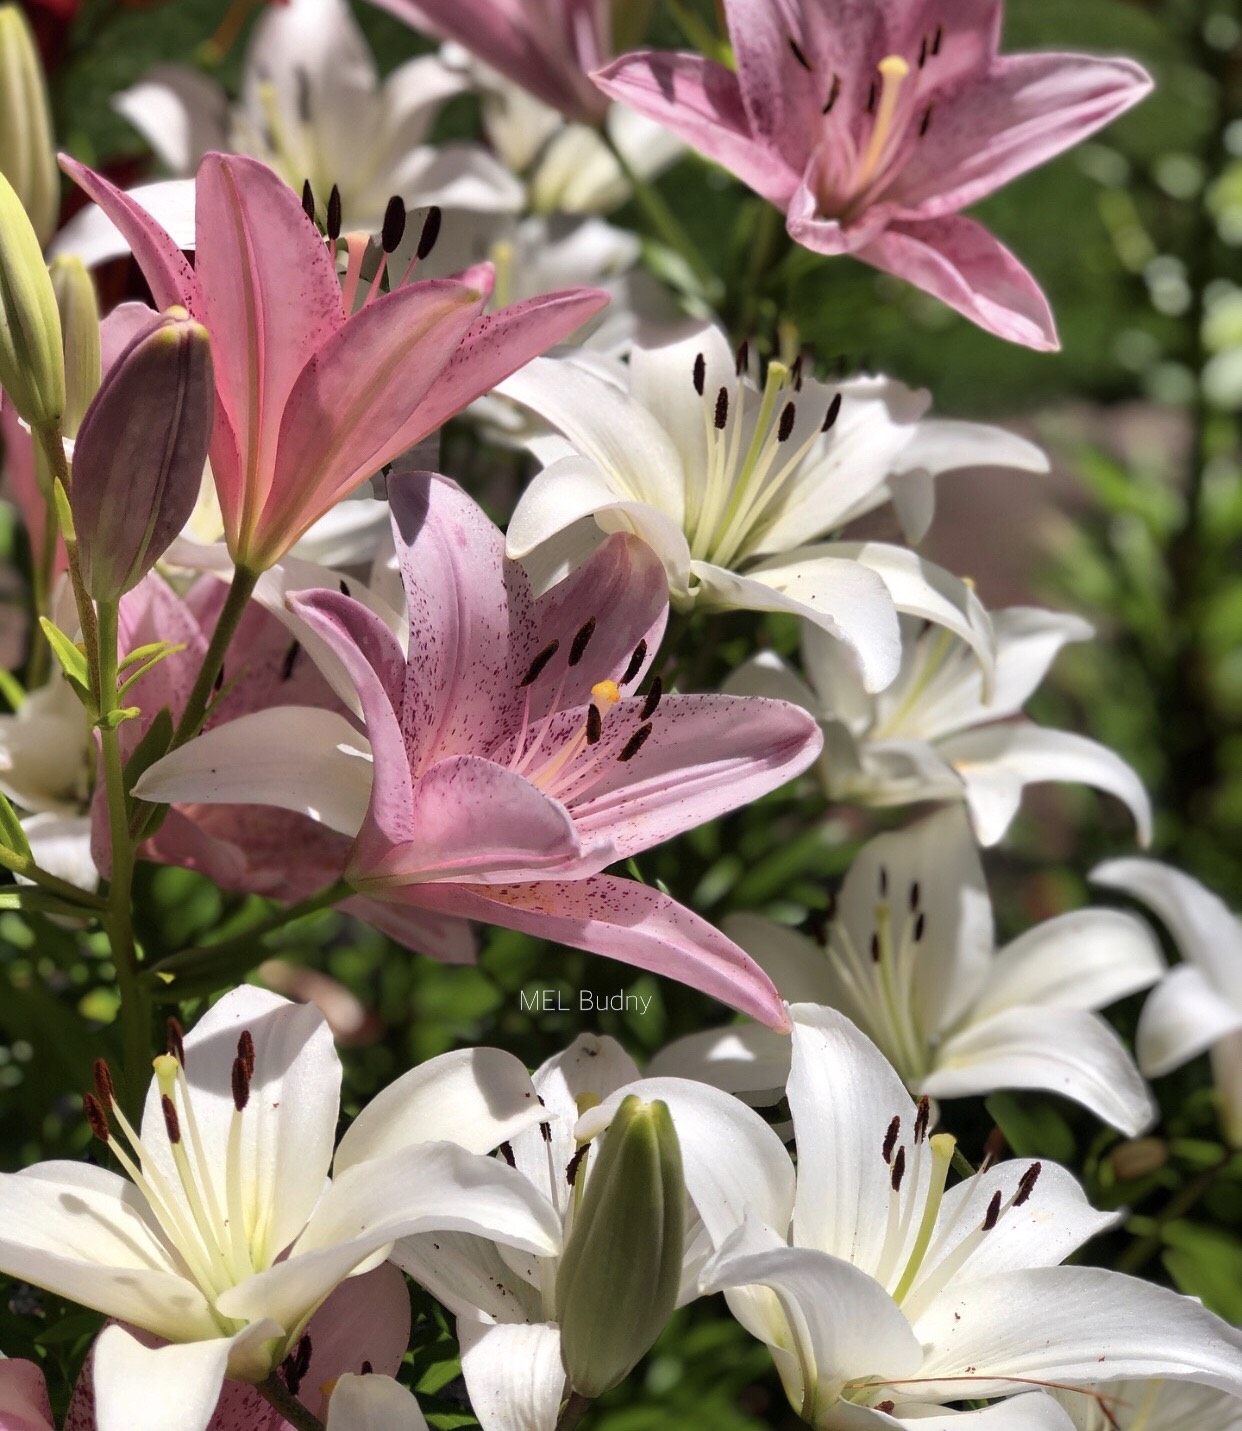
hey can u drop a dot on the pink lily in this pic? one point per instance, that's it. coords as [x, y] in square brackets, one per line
[873, 126]
[547, 46]
[312, 399]
[24, 1404]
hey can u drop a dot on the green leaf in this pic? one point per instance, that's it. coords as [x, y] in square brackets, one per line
[71, 656]
[11, 831]
[154, 655]
[1032, 1129]
[1206, 1262]
[118, 717]
[32, 900]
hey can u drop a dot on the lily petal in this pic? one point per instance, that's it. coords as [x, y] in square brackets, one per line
[373, 1403]
[180, 112]
[514, 1374]
[1184, 1016]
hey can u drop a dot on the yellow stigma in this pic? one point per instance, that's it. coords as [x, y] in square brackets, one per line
[165, 1067]
[893, 71]
[605, 693]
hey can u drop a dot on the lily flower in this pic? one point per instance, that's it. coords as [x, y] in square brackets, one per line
[1197, 1006]
[873, 127]
[883, 1293]
[24, 1404]
[1151, 1406]
[911, 958]
[226, 1235]
[938, 733]
[313, 108]
[311, 398]
[732, 483]
[514, 755]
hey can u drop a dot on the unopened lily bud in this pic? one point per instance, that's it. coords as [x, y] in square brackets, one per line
[79, 326]
[140, 452]
[620, 1271]
[1138, 1158]
[27, 155]
[32, 365]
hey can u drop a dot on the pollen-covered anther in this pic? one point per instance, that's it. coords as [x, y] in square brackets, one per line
[505, 1150]
[700, 374]
[308, 200]
[899, 1169]
[172, 1124]
[721, 417]
[245, 1051]
[652, 702]
[594, 726]
[539, 664]
[830, 417]
[581, 641]
[636, 663]
[393, 230]
[334, 214]
[175, 1039]
[922, 1118]
[635, 742]
[241, 1083]
[1026, 1185]
[430, 232]
[104, 1090]
[571, 1168]
[992, 1216]
[785, 428]
[890, 1138]
[96, 1117]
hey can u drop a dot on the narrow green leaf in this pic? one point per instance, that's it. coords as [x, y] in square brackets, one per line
[70, 655]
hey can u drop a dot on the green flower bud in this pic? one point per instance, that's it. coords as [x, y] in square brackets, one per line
[138, 461]
[27, 154]
[620, 1272]
[79, 326]
[32, 364]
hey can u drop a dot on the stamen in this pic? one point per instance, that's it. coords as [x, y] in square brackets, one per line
[334, 214]
[890, 1138]
[875, 946]
[286, 671]
[722, 409]
[653, 699]
[635, 742]
[104, 1091]
[935, 49]
[571, 1168]
[356, 250]
[1027, 1184]
[871, 97]
[788, 415]
[595, 725]
[581, 641]
[506, 1152]
[241, 1084]
[172, 1124]
[539, 664]
[431, 232]
[893, 71]
[308, 200]
[96, 1117]
[636, 663]
[795, 374]
[899, 1169]
[743, 357]
[833, 94]
[883, 882]
[834, 411]
[925, 124]
[393, 230]
[245, 1051]
[922, 52]
[922, 1118]
[700, 374]
[920, 924]
[942, 1146]
[915, 896]
[992, 1216]
[798, 55]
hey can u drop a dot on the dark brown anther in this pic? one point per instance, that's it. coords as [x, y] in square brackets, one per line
[883, 881]
[795, 374]
[899, 1170]
[241, 1084]
[431, 232]
[334, 214]
[545, 1130]
[796, 50]
[308, 200]
[367, 1369]
[871, 98]
[343, 587]
[581, 641]
[922, 52]
[174, 1036]
[506, 1152]
[302, 1358]
[635, 742]
[834, 412]
[925, 122]
[916, 895]
[700, 374]
[993, 1149]
[539, 663]
[245, 1051]
[743, 357]
[722, 409]
[875, 947]
[890, 1137]
[393, 229]
[653, 699]
[922, 1118]
[833, 95]
[636, 663]
[595, 725]
[920, 927]
[104, 1090]
[1026, 1185]
[291, 657]
[572, 1166]
[172, 1124]
[888, 1407]
[785, 427]
[992, 1216]
[96, 1117]
[937, 38]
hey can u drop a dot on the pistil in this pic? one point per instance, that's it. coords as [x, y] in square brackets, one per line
[893, 72]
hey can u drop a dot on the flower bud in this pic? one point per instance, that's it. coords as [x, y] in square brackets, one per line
[32, 365]
[27, 155]
[79, 326]
[140, 452]
[620, 1272]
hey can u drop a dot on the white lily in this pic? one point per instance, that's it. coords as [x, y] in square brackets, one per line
[885, 1294]
[911, 959]
[937, 733]
[313, 108]
[1197, 1007]
[731, 484]
[227, 1234]
[373, 1403]
[1152, 1406]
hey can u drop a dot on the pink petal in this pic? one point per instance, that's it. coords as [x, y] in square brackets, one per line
[623, 920]
[439, 936]
[495, 346]
[170, 277]
[24, 1404]
[959, 262]
[353, 405]
[1027, 109]
[706, 755]
[269, 297]
[471, 819]
[701, 102]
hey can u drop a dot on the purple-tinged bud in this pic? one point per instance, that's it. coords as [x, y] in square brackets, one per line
[138, 463]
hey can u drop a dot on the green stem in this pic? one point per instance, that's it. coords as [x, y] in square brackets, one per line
[575, 1409]
[277, 1394]
[10, 860]
[240, 591]
[1139, 1253]
[44, 565]
[53, 451]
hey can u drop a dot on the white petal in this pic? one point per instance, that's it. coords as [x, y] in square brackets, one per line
[756, 1177]
[455, 176]
[846, 599]
[299, 758]
[413, 95]
[765, 674]
[1083, 960]
[1155, 1405]
[61, 844]
[1032, 1411]
[181, 113]
[1205, 932]
[1184, 1015]
[475, 1097]
[746, 1059]
[1227, 1071]
[137, 1387]
[1075, 1324]
[91, 236]
[943, 445]
[472, 1276]
[514, 1374]
[998, 762]
[351, 534]
[373, 1403]
[1028, 640]
[1067, 1051]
